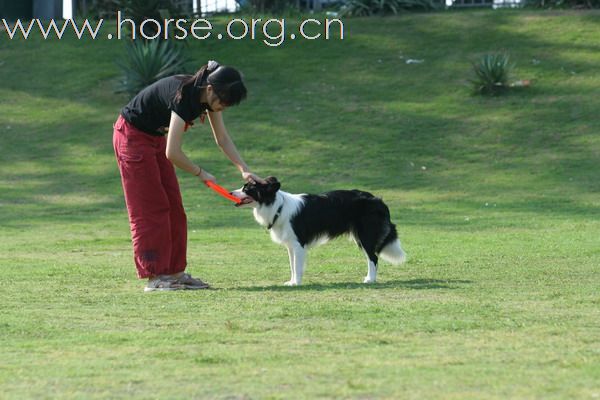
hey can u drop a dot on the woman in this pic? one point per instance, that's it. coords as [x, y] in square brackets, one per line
[146, 156]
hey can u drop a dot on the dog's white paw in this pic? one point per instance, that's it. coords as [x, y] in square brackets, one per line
[291, 283]
[368, 280]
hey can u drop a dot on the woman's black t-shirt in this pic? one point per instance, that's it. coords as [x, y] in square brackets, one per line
[150, 110]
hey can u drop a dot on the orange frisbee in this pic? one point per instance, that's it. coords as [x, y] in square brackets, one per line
[222, 191]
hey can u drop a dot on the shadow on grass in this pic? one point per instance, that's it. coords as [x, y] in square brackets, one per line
[416, 284]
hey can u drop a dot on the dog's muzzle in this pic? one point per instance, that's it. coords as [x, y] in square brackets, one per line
[245, 199]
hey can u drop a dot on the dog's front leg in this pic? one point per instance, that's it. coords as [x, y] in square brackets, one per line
[297, 259]
[291, 254]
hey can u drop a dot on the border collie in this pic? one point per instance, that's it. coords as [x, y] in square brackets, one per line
[299, 221]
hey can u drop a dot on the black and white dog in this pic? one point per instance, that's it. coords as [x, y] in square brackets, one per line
[299, 221]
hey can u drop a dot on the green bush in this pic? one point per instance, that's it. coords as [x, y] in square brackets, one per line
[140, 10]
[149, 61]
[384, 7]
[563, 3]
[273, 6]
[492, 74]
[97, 9]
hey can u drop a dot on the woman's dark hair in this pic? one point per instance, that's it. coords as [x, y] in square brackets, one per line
[226, 82]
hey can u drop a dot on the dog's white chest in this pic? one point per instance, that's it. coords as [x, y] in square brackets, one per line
[281, 231]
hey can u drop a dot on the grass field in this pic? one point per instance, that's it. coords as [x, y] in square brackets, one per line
[496, 200]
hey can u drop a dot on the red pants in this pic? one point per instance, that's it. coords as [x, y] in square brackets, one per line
[156, 215]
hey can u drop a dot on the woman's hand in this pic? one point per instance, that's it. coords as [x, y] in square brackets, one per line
[205, 176]
[250, 177]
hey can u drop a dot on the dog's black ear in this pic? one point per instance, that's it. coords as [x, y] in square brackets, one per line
[273, 184]
[274, 187]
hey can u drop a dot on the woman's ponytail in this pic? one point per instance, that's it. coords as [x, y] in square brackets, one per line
[226, 81]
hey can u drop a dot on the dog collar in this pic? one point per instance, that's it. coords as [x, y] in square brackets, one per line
[277, 214]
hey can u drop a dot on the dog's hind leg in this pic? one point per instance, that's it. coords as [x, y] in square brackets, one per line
[367, 240]
[371, 269]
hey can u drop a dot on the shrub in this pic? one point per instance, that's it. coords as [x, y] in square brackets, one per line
[563, 3]
[140, 10]
[262, 6]
[384, 7]
[149, 61]
[97, 9]
[492, 74]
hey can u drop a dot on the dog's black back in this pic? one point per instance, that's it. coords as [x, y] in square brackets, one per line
[335, 213]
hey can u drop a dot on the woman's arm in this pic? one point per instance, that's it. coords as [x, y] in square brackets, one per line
[225, 143]
[174, 149]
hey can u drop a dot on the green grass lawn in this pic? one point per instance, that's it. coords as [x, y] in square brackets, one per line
[496, 201]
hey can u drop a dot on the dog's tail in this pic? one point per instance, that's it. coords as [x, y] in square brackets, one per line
[391, 250]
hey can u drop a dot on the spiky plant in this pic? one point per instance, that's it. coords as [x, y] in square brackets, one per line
[149, 61]
[492, 74]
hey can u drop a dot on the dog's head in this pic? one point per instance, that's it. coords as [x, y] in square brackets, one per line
[253, 193]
